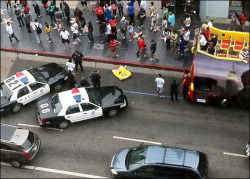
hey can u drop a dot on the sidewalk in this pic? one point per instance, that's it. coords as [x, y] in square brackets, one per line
[97, 51]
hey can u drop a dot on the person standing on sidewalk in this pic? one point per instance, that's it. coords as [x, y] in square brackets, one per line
[26, 9]
[113, 47]
[124, 26]
[130, 31]
[153, 51]
[37, 9]
[182, 49]
[96, 79]
[18, 14]
[27, 19]
[171, 20]
[174, 90]
[120, 7]
[38, 28]
[65, 8]
[51, 11]
[160, 82]
[143, 49]
[186, 35]
[185, 84]
[78, 58]
[131, 12]
[113, 23]
[47, 31]
[74, 32]
[65, 37]
[84, 2]
[90, 32]
[141, 16]
[8, 3]
[108, 32]
[11, 32]
[59, 18]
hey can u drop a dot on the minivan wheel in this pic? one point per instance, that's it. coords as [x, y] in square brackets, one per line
[63, 125]
[16, 108]
[16, 164]
[224, 102]
[113, 112]
[57, 87]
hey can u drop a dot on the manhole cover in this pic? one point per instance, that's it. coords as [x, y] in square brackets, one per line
[98, 46]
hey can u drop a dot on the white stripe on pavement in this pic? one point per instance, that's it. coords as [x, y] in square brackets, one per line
[28, 125]
[56, 171]
[237, 155]
[136, 140]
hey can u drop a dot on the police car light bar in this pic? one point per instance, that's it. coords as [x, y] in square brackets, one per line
[22, 77]
[76, 94]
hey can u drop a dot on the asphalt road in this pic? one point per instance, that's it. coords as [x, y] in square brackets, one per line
[87, 147]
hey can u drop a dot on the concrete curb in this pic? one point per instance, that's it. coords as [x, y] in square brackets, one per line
[92, 59]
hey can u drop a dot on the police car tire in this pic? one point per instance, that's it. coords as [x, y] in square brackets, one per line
[16, 163]
[63, 125]
[57, 87]
[112, 112]
[16, 108]
[224, 102]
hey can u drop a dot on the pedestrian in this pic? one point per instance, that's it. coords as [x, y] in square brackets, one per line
[102, 26]
[139, 3]
[18, 14]
[78, 58]
[233, 22]
[90, 32]
[171, 20]
[74, 32]
[152, 7]
[130, 31]
[70, 65]
[26, 9]
[186, 35]
[163, 3]
[202, 41]
[51, 11]
[153, 50]
[185, 84]
[139, 37]
[11, 32]
[160, 82]
[84, 2]
[165, 12]
[167, 38]
[120, 7]
[84, 82]
[27, 19]
[182, 49]
[210, 23]
[113, 23]
[65, 37]
[242, 19]
[37, 9]
[143, 52]
[144, 5]
[8, 3]
[131, 11]
[47, 31]
[123, 27]
[71, 79]
[108, 31]
[164, 25]
[187, 21]
[141, 16]
[107, 10]
[174, 40]
[99, 12]
[154, 21]
[114, 8]
[174, 90]
[59, 17]
[113, 47]
[96, 79]
[38, 28]
[66, 11]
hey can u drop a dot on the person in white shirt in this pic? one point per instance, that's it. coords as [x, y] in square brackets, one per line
[11, 32]
[160, 82]
[210, 23]
[70, 65]
[203, 42]
[144, 5]
[74, 32]
[36, 27]
[108, 31]
[186, 36]
[65, 37]
[164, 25]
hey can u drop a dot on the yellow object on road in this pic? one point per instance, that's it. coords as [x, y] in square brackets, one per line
[121, 72]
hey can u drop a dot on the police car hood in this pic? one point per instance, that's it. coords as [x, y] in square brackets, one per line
[46, 113]
[111, 96]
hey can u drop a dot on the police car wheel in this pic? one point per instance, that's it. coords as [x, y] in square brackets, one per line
[57, 87]
[16, 163]
[63, 125]
[224, 102]
[113, 112]
[16, 108]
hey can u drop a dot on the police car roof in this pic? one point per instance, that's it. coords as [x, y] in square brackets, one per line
[67, 97]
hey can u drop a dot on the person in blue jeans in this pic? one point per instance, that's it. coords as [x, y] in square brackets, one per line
[131, 12]
[182, 49]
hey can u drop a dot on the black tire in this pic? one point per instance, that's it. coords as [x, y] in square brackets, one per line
[57, 87]
[16, 163]
[63, 124]
[16, 108]
[224, 102]
[112, 112]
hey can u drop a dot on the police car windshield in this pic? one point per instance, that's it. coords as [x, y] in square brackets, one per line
[5, 91]
[37, 75]
[94, 97]
[56, 104]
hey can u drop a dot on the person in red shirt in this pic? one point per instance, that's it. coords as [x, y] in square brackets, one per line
[142, 48]
[99, 12]
[243, 20]
[185, 84]
[207, 33]
[26, 9]
[113, 23]
[113, 47]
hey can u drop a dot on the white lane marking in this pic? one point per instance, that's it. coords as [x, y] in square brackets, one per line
[28, 125]
[136, 140]
[237, 155]
[56, 171]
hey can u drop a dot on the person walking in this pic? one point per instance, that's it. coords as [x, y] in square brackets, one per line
[59, 17]
[84, 3]
[37, 9]
[120, 7]
[113, 23]
[11, 32]
[26, 9]
[130, 31]
[185, 84]
[160, 82]
[186, 35]
[67, 11]
[78, 58]
[114, 7]
[99, 12]
[51, 11]
[70, 65]
[174, 40]
[108, 32]
[47, 31]
[71, 79]
[113, 47]
[124, 26]
[90, 32]
[131, 11]
[65, 37]
[154, 21]
[84, 82]
[8, 3]
[74, 32]
[38, 28]
[174, 90]
[242, 19]
[18, 14]
[153, 51]
[107, 10]
[143, 49]
[27, 19]
[96, 79]
[141, 16]
[171, 20]
[182, 49]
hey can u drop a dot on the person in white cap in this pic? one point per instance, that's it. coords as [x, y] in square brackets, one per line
[123, 26]
[74, 32]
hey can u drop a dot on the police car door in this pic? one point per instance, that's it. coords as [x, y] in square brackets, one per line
[73, 113]
[90, 111]
[23, 95]
[38, 89]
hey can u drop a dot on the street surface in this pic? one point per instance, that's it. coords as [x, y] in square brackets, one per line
[85, 149]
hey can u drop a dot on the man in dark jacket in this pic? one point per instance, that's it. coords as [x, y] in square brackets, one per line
[71, 79]
[84, 82]
[77, 57]
[19, 16]
[174, 90]
[96, 79]
[65, 8]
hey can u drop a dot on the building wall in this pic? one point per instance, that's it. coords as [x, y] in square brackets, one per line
[214, 8]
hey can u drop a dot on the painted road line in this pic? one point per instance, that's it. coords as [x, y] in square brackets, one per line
[237, 155]
[28, 125]
[56, 171]
[147, 94]
[136, 140]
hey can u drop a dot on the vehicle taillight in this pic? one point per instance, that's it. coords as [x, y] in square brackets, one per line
[37, 136]
[27, 155]
[43, 121]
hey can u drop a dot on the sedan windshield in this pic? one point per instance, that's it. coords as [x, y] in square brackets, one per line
[5, 91]
[136, 157]
[56, 104]
[37, 75]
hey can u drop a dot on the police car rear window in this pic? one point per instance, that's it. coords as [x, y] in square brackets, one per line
[5, 91]
[37, 75]
[94, 97]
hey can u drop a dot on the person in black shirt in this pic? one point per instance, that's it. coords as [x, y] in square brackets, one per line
[84, 83]
[174, 90]
[153, 50]
[96, 79]
[77, 57]
[71, 79]
[210, 50]
[213, 39]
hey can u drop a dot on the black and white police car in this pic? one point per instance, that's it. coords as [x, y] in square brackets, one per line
[30, 84]
[80, 104]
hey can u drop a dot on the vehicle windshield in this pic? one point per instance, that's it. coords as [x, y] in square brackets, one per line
[5, 91]
[202, 165]
[56, 104]
[37, 75]
[136, 158]
[94, 97]
[28, 142]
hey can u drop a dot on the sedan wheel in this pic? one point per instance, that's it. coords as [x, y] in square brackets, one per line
[113, 112]
[63, 125]
[16, 108]
[16, 163]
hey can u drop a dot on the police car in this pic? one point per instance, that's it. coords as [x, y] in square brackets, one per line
[80, 104]
[30, 84]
